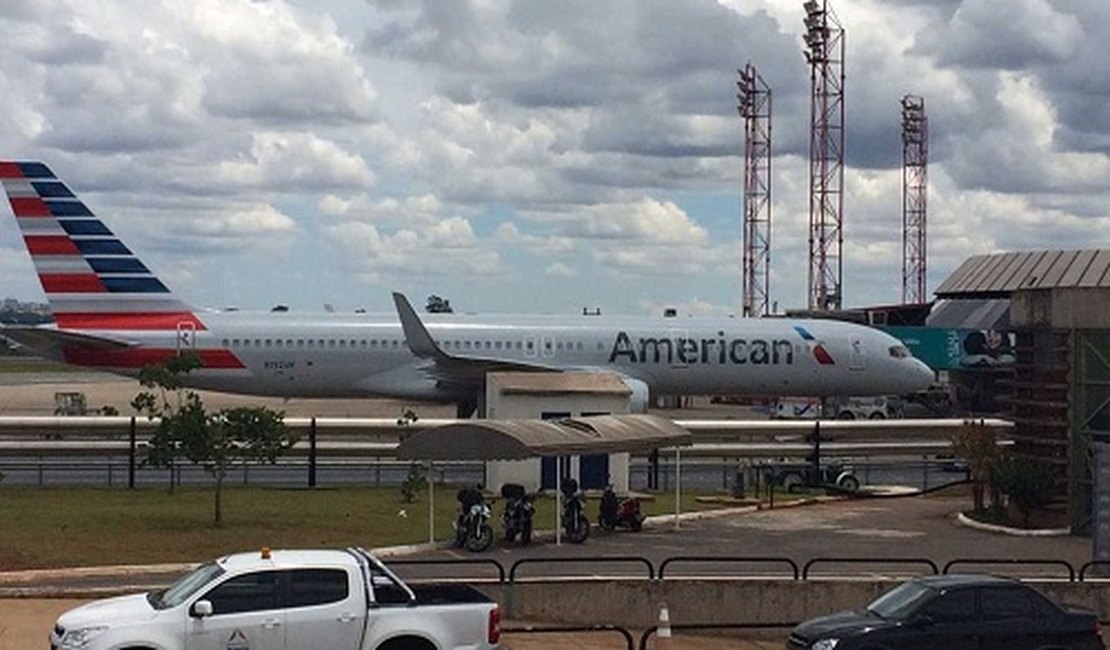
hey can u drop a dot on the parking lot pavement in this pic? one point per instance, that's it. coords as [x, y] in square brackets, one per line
[922, 527]
[911, 527]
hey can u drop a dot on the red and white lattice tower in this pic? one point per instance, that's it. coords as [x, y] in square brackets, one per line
[915, 163]
[754, 106]
[824, 40]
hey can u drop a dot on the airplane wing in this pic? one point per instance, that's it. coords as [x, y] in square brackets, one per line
[450, 368]
[48, 341]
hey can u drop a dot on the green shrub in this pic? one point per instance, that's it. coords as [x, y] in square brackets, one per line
[1026, 481]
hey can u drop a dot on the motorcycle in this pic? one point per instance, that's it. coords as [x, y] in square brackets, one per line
[516, 518]
[615, 512]
[472, 528]
[576, 526]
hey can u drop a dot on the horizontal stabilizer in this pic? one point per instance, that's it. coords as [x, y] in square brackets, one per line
[49, 342]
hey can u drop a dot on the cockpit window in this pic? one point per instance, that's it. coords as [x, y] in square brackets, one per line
[899, 351]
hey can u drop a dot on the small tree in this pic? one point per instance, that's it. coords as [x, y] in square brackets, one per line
[413, 483]
[219, 442]
[1026, 481]
[978, 445]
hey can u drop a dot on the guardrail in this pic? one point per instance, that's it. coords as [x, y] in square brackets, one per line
[391, 429]
[583, 560]
[746, 559]
[804, 574]
[1013, 562]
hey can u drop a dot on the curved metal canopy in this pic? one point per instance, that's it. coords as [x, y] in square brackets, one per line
[520, 439]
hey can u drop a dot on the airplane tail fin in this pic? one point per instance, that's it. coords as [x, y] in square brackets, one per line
[91, 279]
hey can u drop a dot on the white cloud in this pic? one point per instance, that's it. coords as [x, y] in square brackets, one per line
[502, 147]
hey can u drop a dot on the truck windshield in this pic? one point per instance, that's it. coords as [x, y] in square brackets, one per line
[185, 587]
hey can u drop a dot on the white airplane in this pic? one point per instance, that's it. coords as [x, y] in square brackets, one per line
[112, 313]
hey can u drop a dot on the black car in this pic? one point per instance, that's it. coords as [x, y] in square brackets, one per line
[954, 612]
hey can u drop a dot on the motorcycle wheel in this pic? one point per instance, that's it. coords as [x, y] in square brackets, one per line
[526, 533]
[606, 524]
[577, 533]
[510, 534]
[481, 540]
[636, 524]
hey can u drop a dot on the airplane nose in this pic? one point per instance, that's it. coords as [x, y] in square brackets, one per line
[921, 375]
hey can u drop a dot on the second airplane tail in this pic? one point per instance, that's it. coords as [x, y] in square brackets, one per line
[91, 279]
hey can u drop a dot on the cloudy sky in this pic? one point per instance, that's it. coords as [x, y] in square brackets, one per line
[540, 156]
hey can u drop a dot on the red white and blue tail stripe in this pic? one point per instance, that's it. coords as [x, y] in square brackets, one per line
[110, 311]
[91, 279]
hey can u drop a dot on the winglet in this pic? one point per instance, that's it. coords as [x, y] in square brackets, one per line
[420, 342]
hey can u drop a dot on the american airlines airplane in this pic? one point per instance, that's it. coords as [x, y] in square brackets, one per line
[111, 312]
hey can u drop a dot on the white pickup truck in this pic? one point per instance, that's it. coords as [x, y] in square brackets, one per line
[318, 599]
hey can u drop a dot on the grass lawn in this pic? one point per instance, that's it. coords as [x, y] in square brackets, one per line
[62, 527]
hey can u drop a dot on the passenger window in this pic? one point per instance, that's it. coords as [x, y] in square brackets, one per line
[253, 592]
[951, 607]
[1004, 603]
[310, 587]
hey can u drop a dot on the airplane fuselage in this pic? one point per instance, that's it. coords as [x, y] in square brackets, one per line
[347, 355]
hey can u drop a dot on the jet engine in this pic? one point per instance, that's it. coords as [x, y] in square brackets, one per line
[638, 400]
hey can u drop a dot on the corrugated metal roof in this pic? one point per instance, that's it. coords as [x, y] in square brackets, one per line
[971, 313]
[1000, 274]
[520, 439]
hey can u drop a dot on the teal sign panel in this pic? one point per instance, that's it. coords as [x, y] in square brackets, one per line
[955, 349]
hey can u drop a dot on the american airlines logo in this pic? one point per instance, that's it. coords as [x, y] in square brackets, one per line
[817, 347]
[720, 350]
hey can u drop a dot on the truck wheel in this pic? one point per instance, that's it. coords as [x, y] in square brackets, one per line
[845, 415]
[877, 415]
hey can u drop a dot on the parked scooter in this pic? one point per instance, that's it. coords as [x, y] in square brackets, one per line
[516, 518]
[616, 512]
[576, 526]
[472, 528]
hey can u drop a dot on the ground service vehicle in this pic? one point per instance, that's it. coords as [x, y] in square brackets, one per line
[320, 599]
[955, 612]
